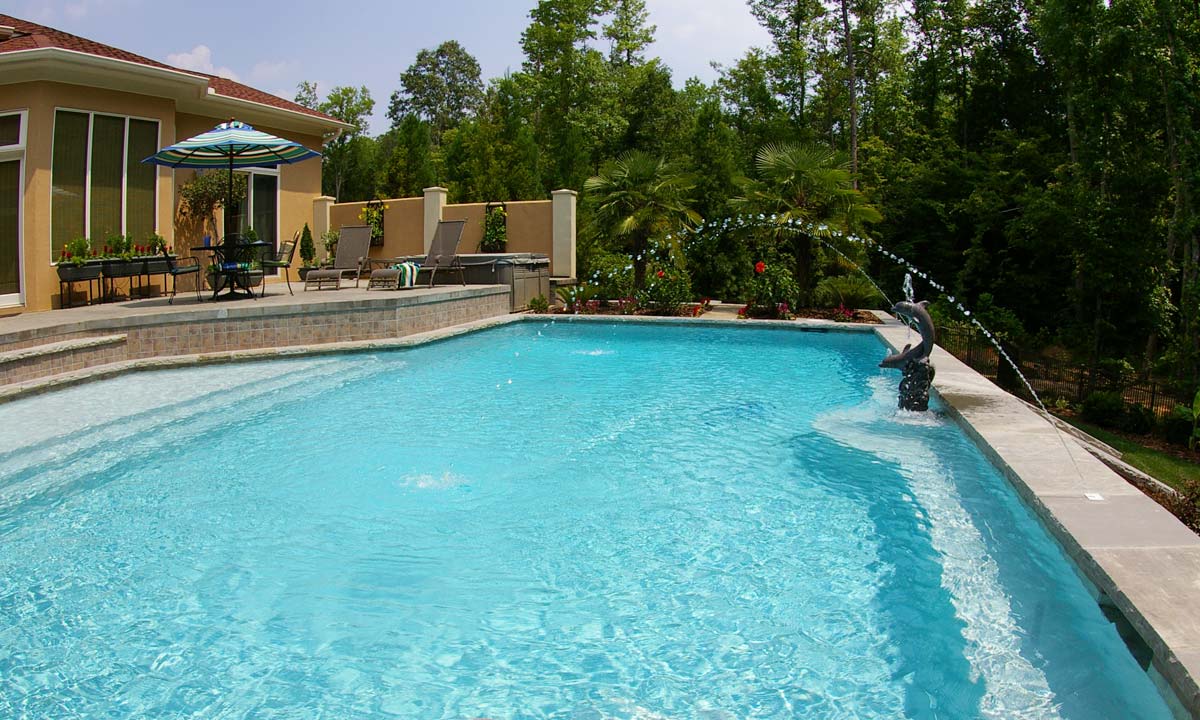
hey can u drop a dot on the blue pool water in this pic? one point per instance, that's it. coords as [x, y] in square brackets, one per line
[540, 520]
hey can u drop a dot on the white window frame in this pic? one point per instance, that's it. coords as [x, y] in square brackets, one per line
[87, 191]
[9, 153]
[250, 172]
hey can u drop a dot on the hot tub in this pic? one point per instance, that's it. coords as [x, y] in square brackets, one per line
[528, 274]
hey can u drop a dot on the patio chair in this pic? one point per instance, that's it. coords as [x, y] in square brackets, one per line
[181, 266]
[354, 242]
[281, 260]
[443, 251]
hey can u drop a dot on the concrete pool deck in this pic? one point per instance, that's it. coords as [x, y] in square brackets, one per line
[1143, 561]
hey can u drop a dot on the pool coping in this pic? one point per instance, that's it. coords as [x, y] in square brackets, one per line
[1131, 549]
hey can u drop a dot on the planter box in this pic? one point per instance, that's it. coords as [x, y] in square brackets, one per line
[78, 273]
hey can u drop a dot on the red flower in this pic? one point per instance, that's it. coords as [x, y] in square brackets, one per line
[661, 273]
[760, 267]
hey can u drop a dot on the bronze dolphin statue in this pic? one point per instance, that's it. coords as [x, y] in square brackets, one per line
[913, 311]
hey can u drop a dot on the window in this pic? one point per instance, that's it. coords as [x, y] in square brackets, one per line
[12, 159]
[99, 185]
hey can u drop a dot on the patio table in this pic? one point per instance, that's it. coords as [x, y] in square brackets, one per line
[230, 269]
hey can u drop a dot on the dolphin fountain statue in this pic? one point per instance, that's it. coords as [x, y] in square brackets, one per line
[914, 361]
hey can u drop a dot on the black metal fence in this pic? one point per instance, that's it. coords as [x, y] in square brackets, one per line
[1052, 378]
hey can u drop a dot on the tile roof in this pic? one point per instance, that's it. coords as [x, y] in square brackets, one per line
[30, 36]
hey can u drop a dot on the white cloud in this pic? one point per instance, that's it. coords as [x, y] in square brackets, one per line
[200, 60]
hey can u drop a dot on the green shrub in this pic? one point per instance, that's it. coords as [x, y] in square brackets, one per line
[852, 291]
[1104, 408]
[539, 304]
[308, 251]
[774, 289]
[666, 291]
[1114, 373]
[576, 297]
[1177, 425]
[611, 274]
[1138, 419]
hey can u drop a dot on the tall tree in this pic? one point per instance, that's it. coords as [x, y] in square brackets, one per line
[627, 32]
[442, 88]
[344, 154]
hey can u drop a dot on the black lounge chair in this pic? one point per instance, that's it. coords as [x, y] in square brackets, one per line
[443, 251]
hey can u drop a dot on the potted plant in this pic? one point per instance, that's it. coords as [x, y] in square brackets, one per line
[330, 240]
[308, 252]
[372, 216]
[73, 265]
[495, 229]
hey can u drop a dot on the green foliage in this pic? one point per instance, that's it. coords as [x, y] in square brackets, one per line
[640, 198]
[495, 230]
[611, 274]
[851, 291]
[206, 191]
[441, 88]
[406, 152]
[575, 298]
[539, 304]
[1104, 408]
[329, 240]
[76, 252]
[1138, 419]
[346, 155]
[774, 290]
[667, 290]
[308, 252]
[155, 243]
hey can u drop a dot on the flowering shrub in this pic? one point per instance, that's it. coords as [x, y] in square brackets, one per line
[666, 291]
[843, 314]
[774, 289]
[611, 274]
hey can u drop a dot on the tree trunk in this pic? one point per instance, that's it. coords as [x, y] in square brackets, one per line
[852, 86]
[639, 263]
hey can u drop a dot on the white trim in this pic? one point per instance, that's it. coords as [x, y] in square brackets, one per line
[17, 299]
[191, 92]
[125, 178]
[87, 183]
[22, 131]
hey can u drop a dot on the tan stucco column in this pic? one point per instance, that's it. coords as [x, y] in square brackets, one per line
[322, 206]
[435, 200]
[562, 254]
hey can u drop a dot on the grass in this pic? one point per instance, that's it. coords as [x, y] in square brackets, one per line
[1164, 467]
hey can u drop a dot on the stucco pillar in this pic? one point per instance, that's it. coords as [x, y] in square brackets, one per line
[562, 253]
[322, 207]
[435, 200]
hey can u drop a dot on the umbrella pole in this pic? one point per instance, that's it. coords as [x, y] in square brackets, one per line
[229, 199]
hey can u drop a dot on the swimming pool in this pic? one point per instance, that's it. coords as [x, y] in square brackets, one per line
[539, 520]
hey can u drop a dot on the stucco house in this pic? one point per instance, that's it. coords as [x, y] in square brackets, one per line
[76, 119]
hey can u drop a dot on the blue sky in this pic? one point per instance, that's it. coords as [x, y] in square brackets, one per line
[369, 42]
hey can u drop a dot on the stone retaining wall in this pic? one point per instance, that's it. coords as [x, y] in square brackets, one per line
[52, 351]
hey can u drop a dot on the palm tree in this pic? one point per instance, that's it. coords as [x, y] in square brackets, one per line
[640, 197]
[811, 184]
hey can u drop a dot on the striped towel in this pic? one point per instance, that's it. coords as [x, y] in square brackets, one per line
[408, 273]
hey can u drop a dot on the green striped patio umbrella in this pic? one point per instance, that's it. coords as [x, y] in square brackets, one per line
[231, 145]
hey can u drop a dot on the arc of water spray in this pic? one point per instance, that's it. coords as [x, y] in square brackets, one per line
[818, 231]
